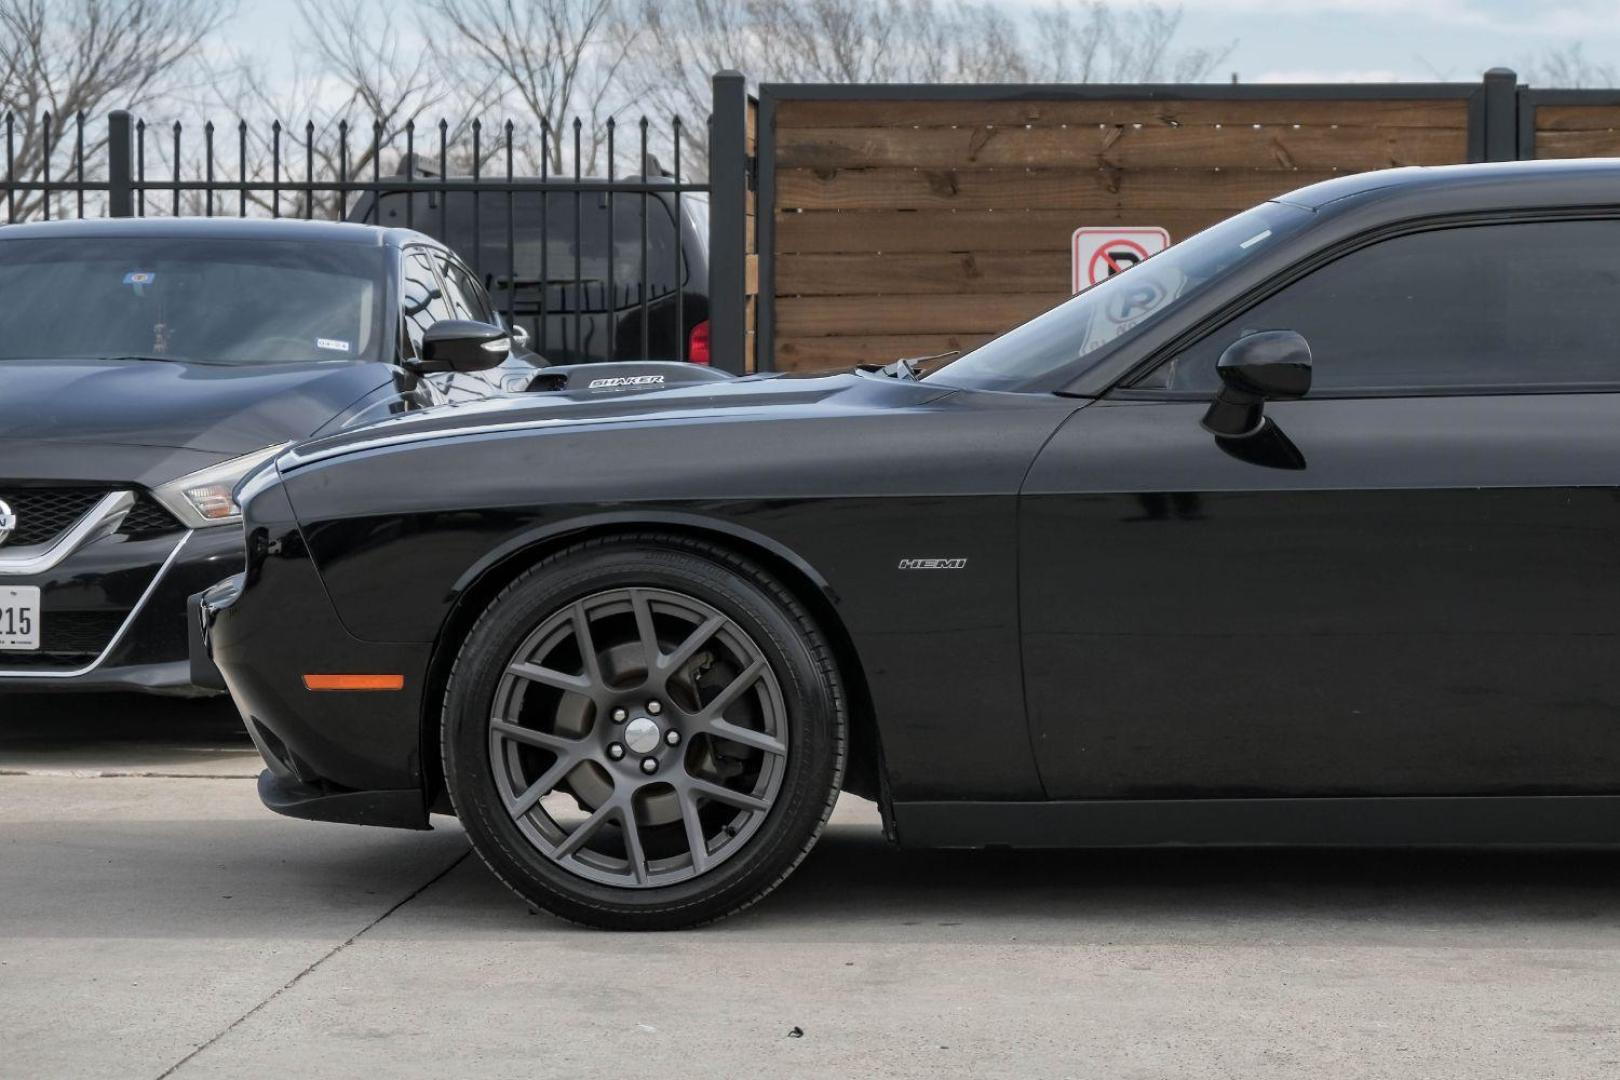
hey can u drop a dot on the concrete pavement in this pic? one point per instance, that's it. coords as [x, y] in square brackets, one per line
[155, 921]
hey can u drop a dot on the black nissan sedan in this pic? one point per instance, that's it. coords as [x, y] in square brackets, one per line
[1304, 531]
[146, 366]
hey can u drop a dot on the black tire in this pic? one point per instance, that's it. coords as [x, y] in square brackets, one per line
[796, 700]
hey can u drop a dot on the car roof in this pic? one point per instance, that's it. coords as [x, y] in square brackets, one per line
[1494, 185]
[220, 228]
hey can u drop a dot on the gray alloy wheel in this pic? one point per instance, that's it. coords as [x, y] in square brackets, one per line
[644, 732]
[638, 737]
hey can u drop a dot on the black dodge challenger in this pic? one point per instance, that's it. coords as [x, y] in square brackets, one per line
[1303, 531]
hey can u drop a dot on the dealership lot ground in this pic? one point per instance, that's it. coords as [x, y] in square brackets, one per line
[155, 921]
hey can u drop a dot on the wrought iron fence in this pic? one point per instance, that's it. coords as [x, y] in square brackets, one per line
[621, 265]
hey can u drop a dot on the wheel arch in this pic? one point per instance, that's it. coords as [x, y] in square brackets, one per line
[864, 773]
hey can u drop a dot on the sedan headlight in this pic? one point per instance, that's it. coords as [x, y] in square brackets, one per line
[203, 498]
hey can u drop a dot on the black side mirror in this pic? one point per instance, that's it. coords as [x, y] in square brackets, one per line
[1270, 365]
[461, 345]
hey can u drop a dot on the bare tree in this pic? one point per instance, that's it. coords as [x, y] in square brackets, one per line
[365, 93]
[680, 44]
[1092, 42]
[1569, 69]
[72, 58]
[672, 58]
[554, 59]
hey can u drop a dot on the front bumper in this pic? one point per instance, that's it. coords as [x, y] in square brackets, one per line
[336, 756]
[114, 614]
[313, 802]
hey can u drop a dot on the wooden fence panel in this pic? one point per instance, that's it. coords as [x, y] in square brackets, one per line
[911, 227]
[1563, 131]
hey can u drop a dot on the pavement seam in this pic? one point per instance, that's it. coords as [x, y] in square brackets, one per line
[296, 979]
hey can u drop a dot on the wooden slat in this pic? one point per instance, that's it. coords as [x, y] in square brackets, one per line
[1577, 117]
[1416, 113]
[1032, 189]
[966, 230]
[751, 275]
[940, 272]
[823, 353]
[823, 316]
[1232, 147]
[1572, 144]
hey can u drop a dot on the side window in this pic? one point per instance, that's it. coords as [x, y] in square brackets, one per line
[469, 298]
[421, 297]
[1534, 304]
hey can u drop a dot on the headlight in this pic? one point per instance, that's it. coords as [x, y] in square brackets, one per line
[203, 498]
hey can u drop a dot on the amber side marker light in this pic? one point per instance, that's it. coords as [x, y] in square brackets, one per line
[354, 682]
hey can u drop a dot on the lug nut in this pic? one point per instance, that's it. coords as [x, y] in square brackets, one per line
[615, 751]
[654, 708]
[649, 765]
[620, 716]
[672, 737]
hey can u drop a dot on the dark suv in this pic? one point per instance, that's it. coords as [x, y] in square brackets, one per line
[570, 263]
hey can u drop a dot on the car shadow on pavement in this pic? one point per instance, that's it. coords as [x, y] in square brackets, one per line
[78, 722]
[853, 884]
[857, 874]
[856, 886]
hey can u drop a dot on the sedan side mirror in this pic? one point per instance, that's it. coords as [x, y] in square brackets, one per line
[1270, 365]
[461, 345]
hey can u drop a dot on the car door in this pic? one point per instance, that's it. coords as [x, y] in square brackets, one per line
[1409, 585]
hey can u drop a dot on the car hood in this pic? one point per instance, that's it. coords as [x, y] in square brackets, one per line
[209, 409]
[751, 398]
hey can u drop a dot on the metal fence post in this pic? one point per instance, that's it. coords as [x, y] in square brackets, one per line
[1501, 115]
[728, 222]
[120, 183]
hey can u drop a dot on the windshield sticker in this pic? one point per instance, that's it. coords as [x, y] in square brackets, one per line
[1132, 300]
[331, 343]
[139, 279]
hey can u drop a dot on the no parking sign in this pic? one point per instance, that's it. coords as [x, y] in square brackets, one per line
[1102, 252]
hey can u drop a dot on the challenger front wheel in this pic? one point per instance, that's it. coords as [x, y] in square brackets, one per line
[644, 733]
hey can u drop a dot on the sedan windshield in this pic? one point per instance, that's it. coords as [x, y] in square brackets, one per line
[191, 300]
[1116, 308]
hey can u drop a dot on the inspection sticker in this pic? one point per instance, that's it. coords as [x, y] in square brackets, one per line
[331, 343]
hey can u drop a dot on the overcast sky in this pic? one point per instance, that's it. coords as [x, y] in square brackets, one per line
[1285, 40]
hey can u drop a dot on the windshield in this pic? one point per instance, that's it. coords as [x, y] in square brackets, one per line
[194, 300]
[1119, 306]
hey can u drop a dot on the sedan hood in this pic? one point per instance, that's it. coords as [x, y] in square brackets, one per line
[208, 409]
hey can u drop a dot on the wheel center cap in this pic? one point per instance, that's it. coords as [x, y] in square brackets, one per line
[642, 735]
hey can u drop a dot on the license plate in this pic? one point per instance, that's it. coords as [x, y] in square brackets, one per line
[19, 617]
